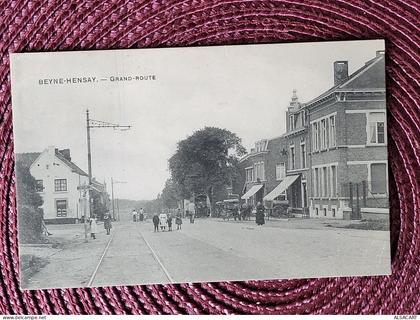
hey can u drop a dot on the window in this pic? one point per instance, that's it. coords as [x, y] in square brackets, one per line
[303, 155]
[332, 135]
[292, 158]
[376, 128]
[324, 181]
[61, 206]
[333, 212]
[60, 184]
[325, 212]
[39, 185]
[378, 178]
[280, 171]
[315, 136]
[259, 171]
[323, 133]
[316, 182]
[249, 175]
[292, 122]
[333, 181]
[303, 118]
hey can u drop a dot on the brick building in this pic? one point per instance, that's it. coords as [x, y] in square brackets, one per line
[264, 168]
[332, 160]
[348, 154]
[296, 141]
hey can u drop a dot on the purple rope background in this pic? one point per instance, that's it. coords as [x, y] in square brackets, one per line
[46, 25]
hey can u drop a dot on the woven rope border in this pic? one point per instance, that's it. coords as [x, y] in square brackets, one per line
[45, 25]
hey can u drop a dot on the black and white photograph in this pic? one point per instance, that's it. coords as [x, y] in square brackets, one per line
[201, 164]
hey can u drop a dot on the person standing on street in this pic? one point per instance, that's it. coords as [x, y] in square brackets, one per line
[134, 214]
[178, 220]
[169, 222]
[155, 220]
[107, 223]
[93, 227]
[260, 216]
[141, 215]
[192, 212]
[163, 220]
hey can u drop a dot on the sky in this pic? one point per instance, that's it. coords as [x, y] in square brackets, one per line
[243, 88]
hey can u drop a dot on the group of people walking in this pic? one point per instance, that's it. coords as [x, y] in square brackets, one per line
[93, 224]
[164, 221]
[138, 216]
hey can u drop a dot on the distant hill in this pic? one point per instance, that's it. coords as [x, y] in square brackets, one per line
[127, 205]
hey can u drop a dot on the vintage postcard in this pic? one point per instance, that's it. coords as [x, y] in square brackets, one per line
[201, 164]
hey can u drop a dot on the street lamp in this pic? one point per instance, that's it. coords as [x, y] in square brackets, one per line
[91, 123]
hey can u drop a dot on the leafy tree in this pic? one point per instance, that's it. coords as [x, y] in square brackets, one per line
[170, 194]
[29, 214]
[206, 161]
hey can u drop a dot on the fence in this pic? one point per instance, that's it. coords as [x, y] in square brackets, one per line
[365, 194]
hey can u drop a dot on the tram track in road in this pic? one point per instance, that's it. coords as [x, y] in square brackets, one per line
[92, 278]
[105, 252]
[156, 257]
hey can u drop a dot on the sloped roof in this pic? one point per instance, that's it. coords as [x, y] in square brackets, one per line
[70, 164]
[367, 77]
[27, 158]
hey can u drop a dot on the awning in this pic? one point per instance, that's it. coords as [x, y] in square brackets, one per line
[252, 191]
[286, 183]
[231, 200]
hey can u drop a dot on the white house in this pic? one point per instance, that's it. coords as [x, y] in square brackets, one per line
[62, 185]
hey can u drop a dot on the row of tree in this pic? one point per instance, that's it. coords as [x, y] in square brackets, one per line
[204, 163]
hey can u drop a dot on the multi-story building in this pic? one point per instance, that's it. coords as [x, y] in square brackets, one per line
[332, 160]
[348, 153]
[61, 184]
[297, 171]
[264, 168]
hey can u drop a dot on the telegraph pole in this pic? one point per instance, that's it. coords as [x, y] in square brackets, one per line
[90, 123]
[113, 206]
[89, 174]
[112, 196]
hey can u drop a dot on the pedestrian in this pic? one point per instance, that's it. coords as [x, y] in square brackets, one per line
[93, 227]
[141, 214]
[163, 220]
[169, 222]
[134, 214]
[155, 220]
[107, 223]
[243, 211]
[260, 215]
[192, 212]
[178, 220]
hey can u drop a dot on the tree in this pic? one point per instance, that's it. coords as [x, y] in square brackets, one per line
[29, 214]
[205, 161]
[170, 194]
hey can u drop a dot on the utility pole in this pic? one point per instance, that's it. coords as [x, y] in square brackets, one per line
[112, 191]
[112, 196]
[90, 123]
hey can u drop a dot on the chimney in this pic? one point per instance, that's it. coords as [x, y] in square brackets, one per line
[66, 153]
[341, 71]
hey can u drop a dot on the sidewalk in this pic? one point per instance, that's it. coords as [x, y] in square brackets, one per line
[66, 244]
[295, 223]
